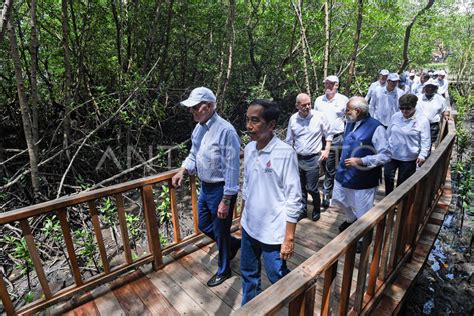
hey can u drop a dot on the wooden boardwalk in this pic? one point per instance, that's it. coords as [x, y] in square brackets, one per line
[180, 287]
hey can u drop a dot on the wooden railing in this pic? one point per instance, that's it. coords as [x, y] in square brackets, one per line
[397, 223]
[60, 208]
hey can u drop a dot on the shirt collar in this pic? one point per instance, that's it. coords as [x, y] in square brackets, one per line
[310, 115]
[271, 144]
[210, 121]
[332, 100]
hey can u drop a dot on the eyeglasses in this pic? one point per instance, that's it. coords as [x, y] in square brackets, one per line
[406, 108]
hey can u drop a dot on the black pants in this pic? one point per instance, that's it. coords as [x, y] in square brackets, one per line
[330, 164]
[405, 170]
[309, 176]
[434, 129]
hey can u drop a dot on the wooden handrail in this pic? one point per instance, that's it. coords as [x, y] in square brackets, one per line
[60, 207]
[400, 217]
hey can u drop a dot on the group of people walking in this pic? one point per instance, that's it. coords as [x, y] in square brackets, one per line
[351, 138]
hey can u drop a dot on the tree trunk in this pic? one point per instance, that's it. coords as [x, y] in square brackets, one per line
[327, 36]
[360, 11]
[67, 76]
[231, 40]
[304, 46]
[25, 115]
[152, 39]
[34, 74]
[406, 40]
[7, 5]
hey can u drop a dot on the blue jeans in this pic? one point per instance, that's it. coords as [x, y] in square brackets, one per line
[217, 229]
[309, 178]
[405, 170]
[251, 266]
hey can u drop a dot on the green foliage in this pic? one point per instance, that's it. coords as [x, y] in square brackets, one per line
[28, 297]
[52, 228]
[85, 245]
[108, 212]
[164, 208]
[133, 225]
[20, 253]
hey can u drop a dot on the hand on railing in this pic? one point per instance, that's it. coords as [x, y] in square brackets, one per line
[177, 179]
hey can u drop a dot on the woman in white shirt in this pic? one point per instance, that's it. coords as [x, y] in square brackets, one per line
[409, 142]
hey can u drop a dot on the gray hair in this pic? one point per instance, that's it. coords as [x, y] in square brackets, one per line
[359, 103]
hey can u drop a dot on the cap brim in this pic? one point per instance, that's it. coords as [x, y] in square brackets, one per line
[189, 103]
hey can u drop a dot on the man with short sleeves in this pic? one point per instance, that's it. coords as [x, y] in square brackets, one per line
[305, 133]
[215, 157]
[384, 102]
[433, 106]
[383, 74]
[333, 104]
[271, 200]
[365, 150]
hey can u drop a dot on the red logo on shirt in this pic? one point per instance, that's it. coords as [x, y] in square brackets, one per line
[269, 169]
[269, 164]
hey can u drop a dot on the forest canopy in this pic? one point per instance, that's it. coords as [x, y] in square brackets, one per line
[84, 80]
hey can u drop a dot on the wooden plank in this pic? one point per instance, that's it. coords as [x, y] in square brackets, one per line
[76, 272]
[108, 304]
[303, 304]
[175, 294]
[130, 301]
[123, 228]
[6, 300]
[98, 235]
[152, 298]
[397, 231]
[347, 279]
[30, 243]
[87, 309]
[387, 241]
[151, 223]
[174, 213]
[194, 203]
[374, 266]
[328, 290]
[362, 272]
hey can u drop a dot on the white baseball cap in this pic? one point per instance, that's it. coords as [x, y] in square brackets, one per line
[432, 82]
[384, 72]
[393, 77]
[198, 95]
[442, 73]
[332, 79]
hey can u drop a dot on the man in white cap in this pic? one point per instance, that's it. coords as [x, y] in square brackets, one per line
[333, 104]
[442, 83]
[215, 157]
[384, 102]
[433, 106]
[383, 74]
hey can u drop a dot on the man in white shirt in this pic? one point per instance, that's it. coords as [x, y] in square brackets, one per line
[215, 157]
[333, 104]
[365, 150]
[383, 74]
[306, 129]
[409, 142]
[433, 106]
[271, 200]
[442, 83]
[384, 102]
[417, 87]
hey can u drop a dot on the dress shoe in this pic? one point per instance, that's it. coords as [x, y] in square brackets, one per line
[325, 202]
[344, 226]
[302, 215]
[315, 216]
[218, 279]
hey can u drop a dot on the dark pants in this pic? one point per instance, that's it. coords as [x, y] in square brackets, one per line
[309, 177]
[330, 164]
[405, 170]
[214, 227]
[434, 129]
[251, 265]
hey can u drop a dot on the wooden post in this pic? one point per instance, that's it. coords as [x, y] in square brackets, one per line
[76, 272]
[6, 300]
[362, 272]
[123, 228]
[328, 289]
[386, 244]
[303, 304]
[153, 233]
[30, 243]
[374, 266]
[98, 235]
[347, 279]
[174, 212]
[194, 203]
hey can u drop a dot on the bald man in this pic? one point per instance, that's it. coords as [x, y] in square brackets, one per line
[305, 133]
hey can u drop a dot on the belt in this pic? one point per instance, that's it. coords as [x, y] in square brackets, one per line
[306, 157]
[212, 184]
[338, 134]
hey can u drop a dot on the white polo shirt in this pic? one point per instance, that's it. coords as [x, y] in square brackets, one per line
[432, 109]
[443, 85]
[305, 134]
[372, 87]
[271, 190]
[384, 104]
[335, 110]
[409, 138]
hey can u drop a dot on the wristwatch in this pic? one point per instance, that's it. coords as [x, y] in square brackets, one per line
[226, 201]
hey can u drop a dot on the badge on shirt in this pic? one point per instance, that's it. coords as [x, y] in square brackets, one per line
[268, 168]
